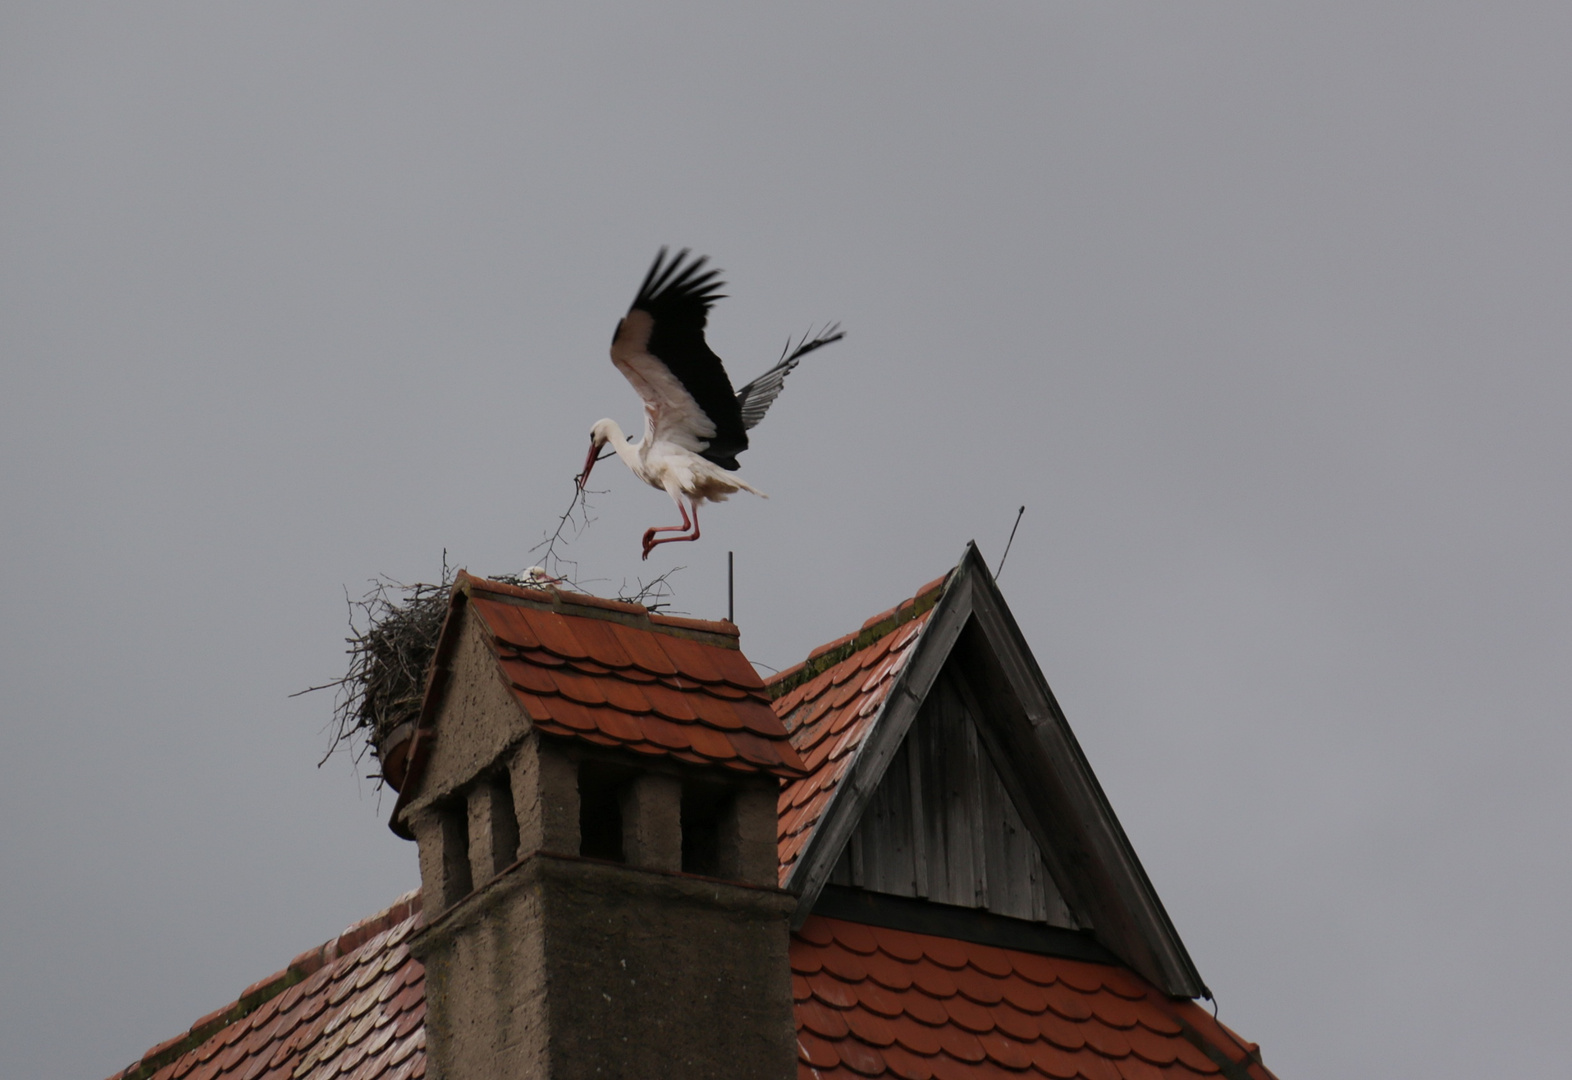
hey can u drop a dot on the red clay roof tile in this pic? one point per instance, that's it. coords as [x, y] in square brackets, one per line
[889, 972]
[832, 991]
[578, 687]
[718, 713]
[968, 1014]
[1037, 969]
[555, 633]
[870, 1001]
[569, 712]
[868, 1027]
[586, 674]
[1005, 1051]
[1015, 1023]
[508, 624]
[665, 733]
[629, 697]
[905, 1064]
[644, 650]
[276, 1036]
[856, 937]
[1025, 996]
[876, 999]
[735, 669]
[979, 987]
[602, 643]
[960, 1043]
[622, 727]
[980, 1017]
[844, 965]
[860, 1057]
[946, 952]
[1060, 1032]
[829, 705]
[822, 1020]
[817, 1052]
[806, 962]
[921, 1037]
[1151, 1047]
[672, 704]
[725, 690]
[1114, 1011]
[1082, 977]
[934, 980]
[762, 752]
[689, 658]
[1110, 1042]
[1068, 1003]
[361, 1014]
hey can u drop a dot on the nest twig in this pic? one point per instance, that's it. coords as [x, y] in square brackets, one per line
[393, 631]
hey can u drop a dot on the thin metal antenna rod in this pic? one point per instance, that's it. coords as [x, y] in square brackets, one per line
[1008, 542]
[731, 592]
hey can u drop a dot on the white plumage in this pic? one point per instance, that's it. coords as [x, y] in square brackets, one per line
[694, 425]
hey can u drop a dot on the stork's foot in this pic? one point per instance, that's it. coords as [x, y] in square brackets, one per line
[651, 541]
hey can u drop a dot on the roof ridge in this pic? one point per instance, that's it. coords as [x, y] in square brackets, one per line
[585, 605]
[833, 652]
[264, 990]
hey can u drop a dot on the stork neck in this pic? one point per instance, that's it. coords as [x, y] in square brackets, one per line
[630, 453]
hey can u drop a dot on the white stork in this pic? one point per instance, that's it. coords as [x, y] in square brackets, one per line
[694, 425]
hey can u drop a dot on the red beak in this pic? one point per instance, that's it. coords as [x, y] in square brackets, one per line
[589, 463]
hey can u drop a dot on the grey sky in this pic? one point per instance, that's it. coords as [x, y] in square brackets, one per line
[1260, 309]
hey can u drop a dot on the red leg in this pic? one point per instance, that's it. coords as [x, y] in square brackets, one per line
[649, 537]
[649, 534]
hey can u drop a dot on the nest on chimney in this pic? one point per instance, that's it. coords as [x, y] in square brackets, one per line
[393, 631]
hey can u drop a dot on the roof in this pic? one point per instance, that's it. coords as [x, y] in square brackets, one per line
[872, 1001]
[612, 674]
[354, 1007]
[829, 703]
[869, 1001]
[850, 706]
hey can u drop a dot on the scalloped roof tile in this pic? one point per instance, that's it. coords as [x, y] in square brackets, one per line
[869, 1001]
[615, 675]
[872, 1001]
[831, 701]
[354, 1006]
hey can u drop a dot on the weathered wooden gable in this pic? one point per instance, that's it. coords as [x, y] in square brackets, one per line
[940, 826]
[970, 790]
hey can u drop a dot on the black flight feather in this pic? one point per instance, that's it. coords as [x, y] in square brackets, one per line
[755, 399]
[678, 298]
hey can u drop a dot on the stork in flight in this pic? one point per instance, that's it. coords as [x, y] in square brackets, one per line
[694, 425]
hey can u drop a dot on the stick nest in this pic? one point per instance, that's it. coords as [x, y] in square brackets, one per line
[393, 635]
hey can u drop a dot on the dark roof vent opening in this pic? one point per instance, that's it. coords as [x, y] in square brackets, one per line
[600, 811]
[703, 811]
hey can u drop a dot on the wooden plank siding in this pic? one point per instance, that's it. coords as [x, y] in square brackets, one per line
[940, 826]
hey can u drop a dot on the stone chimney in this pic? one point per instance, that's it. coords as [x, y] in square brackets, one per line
[593, 792]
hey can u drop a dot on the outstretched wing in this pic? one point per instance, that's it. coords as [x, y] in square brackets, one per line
[659, 347]
[755, 399]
